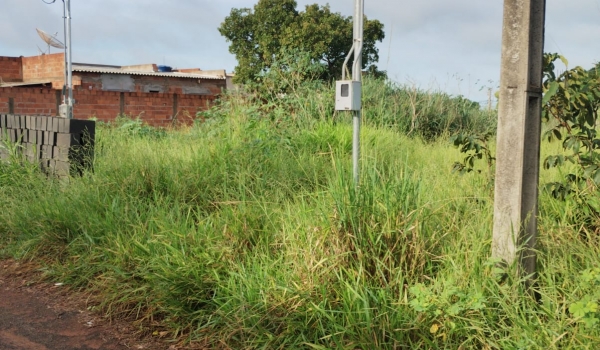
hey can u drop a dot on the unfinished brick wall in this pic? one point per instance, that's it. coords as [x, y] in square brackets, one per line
[29, 101]
[153, 108]
[10, 69]
[189, 105]
[104, 105]
[156, 109]
[51, 66]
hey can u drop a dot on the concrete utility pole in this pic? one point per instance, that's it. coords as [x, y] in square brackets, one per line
[518, 140]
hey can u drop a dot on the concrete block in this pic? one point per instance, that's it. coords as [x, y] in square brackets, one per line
[19, 135]
[16, 122]
[43, 164]
[40, 123]
[31, 151]
[45, 122]
[47, 152]
[31, 136]
[60, 168]
[40, 137]
[67, 140]
[49, 138]
[2, 121]
[48, 123]
[50, 164]
[77, 126]
[59, 153]
[55, 124]
[12, 135]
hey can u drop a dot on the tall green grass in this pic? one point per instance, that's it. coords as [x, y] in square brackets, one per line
[246, 231]
[428, 114]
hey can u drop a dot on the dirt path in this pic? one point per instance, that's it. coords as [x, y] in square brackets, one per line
[42, 316]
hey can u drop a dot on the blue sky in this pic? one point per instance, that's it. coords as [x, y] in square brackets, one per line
[452, 46]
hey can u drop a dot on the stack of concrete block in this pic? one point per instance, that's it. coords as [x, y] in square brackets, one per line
[61, 147]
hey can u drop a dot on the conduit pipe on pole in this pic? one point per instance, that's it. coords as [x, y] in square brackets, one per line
[359, 10]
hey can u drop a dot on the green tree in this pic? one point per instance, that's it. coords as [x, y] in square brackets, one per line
[258, 36]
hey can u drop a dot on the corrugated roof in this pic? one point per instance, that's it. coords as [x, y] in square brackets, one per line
[118, 70]
[25, 83]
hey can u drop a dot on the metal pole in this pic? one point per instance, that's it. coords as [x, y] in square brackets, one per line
[357, 76]
[518, 140]
[66, 68]
[67, 7]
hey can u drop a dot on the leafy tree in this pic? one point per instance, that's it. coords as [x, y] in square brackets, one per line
[258, 36]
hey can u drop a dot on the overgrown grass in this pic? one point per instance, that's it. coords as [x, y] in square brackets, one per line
[245, 231]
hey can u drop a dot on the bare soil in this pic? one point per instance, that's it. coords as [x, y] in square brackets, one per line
[35, 315]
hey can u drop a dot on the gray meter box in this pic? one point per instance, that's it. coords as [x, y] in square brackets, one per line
[348, 95]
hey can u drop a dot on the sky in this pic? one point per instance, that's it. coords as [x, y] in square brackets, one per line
[452, 46]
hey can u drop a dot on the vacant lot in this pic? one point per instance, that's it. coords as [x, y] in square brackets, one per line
[245, 231]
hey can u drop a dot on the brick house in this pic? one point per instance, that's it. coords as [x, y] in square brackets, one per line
[33, 85]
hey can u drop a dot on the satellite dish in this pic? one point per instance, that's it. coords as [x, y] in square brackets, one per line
[50, 39]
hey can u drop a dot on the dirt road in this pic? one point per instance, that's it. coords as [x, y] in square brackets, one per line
[42, 316]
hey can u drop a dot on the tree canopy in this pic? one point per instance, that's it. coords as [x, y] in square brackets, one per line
[259, 35]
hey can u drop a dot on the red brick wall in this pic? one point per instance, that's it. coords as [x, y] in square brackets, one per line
[10, 69]
[104, 105]
[188, 105]
[28, 101]
[153, 108]
[50, 66]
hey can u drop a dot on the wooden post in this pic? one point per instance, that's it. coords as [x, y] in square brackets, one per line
[518, 140]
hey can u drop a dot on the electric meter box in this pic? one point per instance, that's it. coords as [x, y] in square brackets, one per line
[348, 95]
[63, 110]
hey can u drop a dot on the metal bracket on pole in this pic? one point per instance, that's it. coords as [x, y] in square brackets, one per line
[345, 66]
